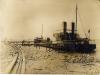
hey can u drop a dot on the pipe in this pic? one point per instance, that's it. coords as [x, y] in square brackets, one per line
[64, 27]
[73, 28]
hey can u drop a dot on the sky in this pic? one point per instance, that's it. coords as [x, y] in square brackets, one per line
[23, 19]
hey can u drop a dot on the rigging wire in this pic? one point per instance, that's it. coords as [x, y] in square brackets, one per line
[96, 3]
[81, 23]
[78, 14]
[81, 19]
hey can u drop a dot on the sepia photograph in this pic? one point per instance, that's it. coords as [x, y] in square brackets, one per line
[50, 37]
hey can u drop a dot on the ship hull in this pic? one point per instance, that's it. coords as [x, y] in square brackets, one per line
[83, 48]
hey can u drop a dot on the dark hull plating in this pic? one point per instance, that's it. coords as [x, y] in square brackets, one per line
[77, 48]
[82, 48]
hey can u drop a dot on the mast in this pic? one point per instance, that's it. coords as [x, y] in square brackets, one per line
[42, 31]
[76, 17]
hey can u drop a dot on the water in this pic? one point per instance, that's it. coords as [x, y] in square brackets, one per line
[47, 61]
[51, 61]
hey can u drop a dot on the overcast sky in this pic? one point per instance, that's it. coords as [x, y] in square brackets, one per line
[23, 19]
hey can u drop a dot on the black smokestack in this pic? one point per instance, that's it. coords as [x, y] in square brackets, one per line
[64, 27]
[73, 28]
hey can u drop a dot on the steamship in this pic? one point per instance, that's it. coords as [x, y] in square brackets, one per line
[69, 40]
